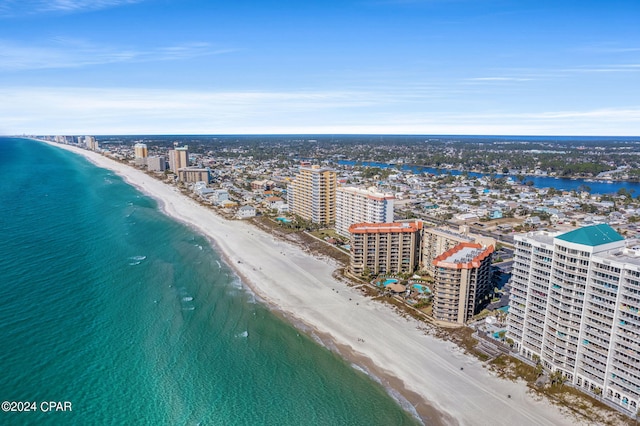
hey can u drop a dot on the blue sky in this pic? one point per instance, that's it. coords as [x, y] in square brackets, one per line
[353, 66]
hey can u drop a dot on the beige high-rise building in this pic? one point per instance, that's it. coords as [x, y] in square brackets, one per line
[179, 158]
[140, 154]
[384, 248]
[462, 281]
[140, 150]
[312, 194]
[357, 205]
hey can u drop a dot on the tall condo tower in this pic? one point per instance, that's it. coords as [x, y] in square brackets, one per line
[356, 205]
[574, 306]
[178, 158]
[312, 194]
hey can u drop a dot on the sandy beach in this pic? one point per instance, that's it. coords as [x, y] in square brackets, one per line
[425, 370]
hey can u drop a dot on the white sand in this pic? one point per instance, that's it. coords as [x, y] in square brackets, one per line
[302, 286]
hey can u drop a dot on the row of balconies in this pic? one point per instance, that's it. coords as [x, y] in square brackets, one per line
[627, 372]
[625, 389]
[598, 325]
[629, 331]
[592, 356]
[532, 342]
[628, 315]
[624, 352]
[593, 370]
[623, 377]
[631, 282]
[593, 338]
[596, 349]
[514, 326]
[631, 300]
[514, 334]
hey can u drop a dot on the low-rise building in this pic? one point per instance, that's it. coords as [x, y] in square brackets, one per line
[219, 197]
[194, 174]
[246, 212]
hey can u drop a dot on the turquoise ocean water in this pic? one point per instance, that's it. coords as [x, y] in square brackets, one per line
[134, 319]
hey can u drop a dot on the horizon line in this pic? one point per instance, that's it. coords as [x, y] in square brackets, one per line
[332, 134]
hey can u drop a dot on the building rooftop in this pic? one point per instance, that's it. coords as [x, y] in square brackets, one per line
[463, 256]
[544, 237]
[592, 235]
[629, 256]
[381, 228]
[449, 233]
[369, 192]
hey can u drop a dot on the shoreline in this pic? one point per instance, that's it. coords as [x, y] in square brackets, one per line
[425, 371]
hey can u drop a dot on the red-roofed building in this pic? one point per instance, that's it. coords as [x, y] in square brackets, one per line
[385, 248]
[462, 282]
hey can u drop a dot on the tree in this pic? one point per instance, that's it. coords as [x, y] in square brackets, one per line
[597, 391]
[626, 193]
[366, 273]
[557, 378]
[539, 370]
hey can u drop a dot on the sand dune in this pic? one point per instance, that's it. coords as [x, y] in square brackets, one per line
[426, 369]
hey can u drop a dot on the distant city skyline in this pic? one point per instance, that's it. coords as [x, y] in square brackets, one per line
[492, 67]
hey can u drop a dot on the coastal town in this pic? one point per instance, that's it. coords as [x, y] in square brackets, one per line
[543, 275]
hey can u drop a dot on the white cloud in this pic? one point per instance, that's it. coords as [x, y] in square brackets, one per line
[158, 111]
[75, 53]
[480, 80]
[11, 8]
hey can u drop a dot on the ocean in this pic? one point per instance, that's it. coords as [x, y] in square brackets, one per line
[133, 318]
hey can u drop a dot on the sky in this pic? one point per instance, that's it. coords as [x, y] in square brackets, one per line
[487, 67]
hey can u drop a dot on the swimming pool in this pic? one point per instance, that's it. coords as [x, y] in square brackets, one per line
[422, 288]
[389, 281]
[283, 219]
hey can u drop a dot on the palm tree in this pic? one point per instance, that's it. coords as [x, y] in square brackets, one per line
[598, 392]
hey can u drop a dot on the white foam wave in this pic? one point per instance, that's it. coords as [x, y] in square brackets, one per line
[243, 334]
[219, 265]
[397, 396]
[365, 371]
[138, 258]
[134, 263]
[187, 299]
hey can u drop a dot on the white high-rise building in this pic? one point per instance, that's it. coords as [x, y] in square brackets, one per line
[574, 306]
[356, 205]
[91, 143]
